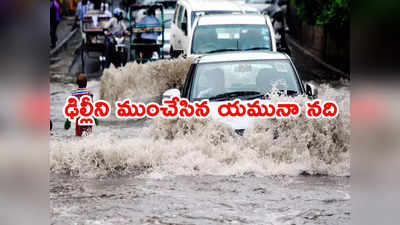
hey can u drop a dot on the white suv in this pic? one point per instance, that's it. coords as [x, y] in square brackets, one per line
[247, 76]
[216, 33]
[186, 13]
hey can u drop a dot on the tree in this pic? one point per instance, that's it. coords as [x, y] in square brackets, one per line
[330, 13]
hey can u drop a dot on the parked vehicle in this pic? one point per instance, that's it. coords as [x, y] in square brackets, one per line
[251, 75]
[186, 13]
[243, 32]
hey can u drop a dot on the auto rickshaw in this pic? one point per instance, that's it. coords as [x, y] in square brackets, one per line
[141, 51]
[93, 38]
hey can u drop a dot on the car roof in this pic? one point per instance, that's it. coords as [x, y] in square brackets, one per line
[224, 19]
[240, 56]
[210, 5]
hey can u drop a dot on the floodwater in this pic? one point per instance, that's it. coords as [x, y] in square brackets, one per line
[196, 172]
[200, 200]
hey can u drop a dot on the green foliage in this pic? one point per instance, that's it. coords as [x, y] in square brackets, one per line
[67, 124]
[333, 13]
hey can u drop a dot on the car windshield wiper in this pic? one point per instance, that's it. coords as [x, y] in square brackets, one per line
[222, 50]
[230, 95]
[256, 48]
[260, 96]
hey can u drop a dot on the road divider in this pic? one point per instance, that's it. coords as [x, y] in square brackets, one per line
[62, 43]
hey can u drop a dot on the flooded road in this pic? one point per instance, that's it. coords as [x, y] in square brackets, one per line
[191, 172]
[131, 172]
[200, 200]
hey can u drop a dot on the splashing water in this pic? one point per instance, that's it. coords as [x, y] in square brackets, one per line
[204, 147]
[143, 82]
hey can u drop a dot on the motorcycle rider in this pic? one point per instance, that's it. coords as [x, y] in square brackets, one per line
[278, 22]
[114, 26]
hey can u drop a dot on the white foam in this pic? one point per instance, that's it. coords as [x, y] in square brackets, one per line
[204, 147]
[143, 82]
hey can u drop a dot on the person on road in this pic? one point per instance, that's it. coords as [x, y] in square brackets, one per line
[148, 37]
[113, 27]
[81, 80]
[83, 7]
[55, 16]
[107, 10]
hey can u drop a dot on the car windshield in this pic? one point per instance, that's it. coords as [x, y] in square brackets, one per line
[196, 14]
[213, 38]
[260, 1]
[243, 78]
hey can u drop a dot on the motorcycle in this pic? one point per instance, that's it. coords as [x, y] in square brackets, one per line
[117, 51]
[279, 23]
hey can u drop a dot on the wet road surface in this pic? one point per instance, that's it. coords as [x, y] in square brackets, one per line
[200, 200]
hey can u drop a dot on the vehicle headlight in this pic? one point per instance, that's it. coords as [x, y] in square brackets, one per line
[155, 55]
[120, 40]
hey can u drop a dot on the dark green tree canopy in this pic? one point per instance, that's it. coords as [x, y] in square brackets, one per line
[332, 13]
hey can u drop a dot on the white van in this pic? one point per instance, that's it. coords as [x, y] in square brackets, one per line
[186, 13]
[244, 32]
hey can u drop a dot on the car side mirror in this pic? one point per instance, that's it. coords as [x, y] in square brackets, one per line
[170, 93]
[184, 28]
[311, 90]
